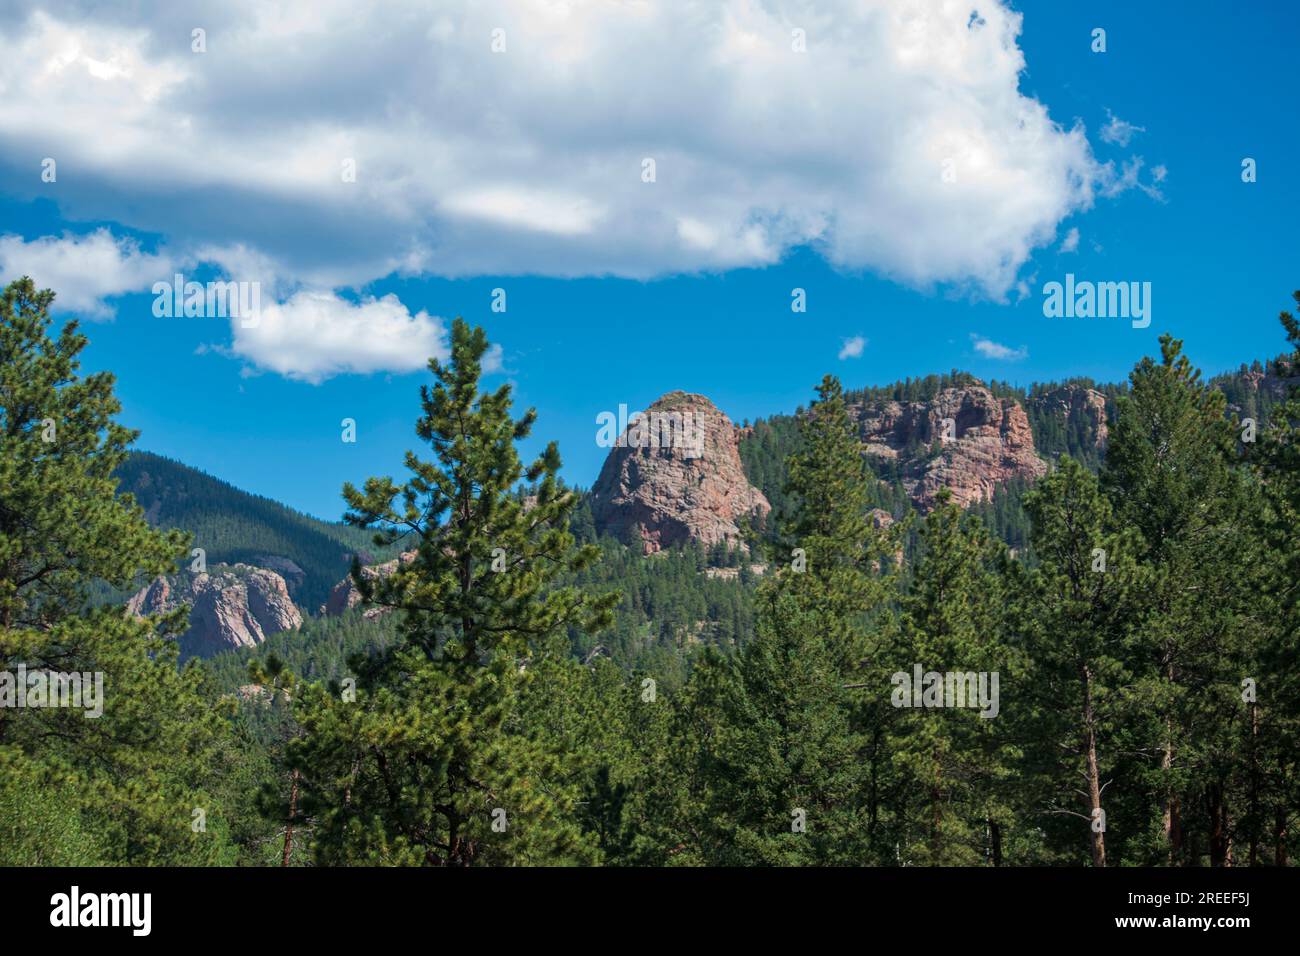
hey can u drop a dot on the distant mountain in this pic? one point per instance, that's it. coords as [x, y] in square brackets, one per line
[235, 527]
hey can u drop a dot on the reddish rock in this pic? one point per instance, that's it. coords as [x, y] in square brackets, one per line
[232, 606]
[658, 494]
[987, 443]
[345, 594]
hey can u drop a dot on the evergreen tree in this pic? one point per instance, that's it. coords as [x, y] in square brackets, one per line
[1173, 473]
[61, 526]
[787, 753]
[830, 550]
[950, 799]
[783, 759]
[1270, 792]
[431, 763]
[1076, 614]
[140, 780]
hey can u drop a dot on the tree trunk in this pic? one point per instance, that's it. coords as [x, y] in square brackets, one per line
[873, 794]
[936, 814]
[1098, 837]
[1254, 786]
[995, 842]
[1218, 811]
[1172, 814]
[293, 810]
[1279, 837]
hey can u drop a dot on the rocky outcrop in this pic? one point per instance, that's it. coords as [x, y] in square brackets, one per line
[293, 575]
[230, 607]
[964, 439]
[1071, 402]
[675, 477]
[1275, 385]
[345, 594]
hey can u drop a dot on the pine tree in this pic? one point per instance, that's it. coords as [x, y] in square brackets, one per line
[431, 763]
[61, 524]
[787, 786]
[1173, 473]
[138, 779]
[1076, 613]
[830, 548]
[1271, 785]
[953, 761]
[784, 738]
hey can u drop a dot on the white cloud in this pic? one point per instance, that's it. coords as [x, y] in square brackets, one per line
[994, 350]
[530, 161]
[1118, 131]
[853, 347]
[1071, 241]
[315, 335]
[83, 271]
[1130, 177]
[306, 335]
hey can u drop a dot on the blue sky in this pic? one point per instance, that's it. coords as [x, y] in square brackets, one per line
[603, 307]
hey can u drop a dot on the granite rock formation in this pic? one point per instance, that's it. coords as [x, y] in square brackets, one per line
[964, 439]
[676, 477]
[231, 606]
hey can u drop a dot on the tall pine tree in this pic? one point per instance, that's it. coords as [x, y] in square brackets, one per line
[427, 761]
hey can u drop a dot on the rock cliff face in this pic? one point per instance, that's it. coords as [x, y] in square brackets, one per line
[345, 594]
[231, 606]
[293, 575]
[658, 492]
[1069, 401]
[964, 439]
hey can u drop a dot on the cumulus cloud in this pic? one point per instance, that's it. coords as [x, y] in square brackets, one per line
[897, 142]
[315, 335]
[84, 271]
[1071, 241]
[994, 350]
[852, 347]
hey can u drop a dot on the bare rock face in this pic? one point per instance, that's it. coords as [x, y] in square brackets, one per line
[288, 569]
[659, 492]
[965, 440]
[1069, 401]
[231, 606]
[345, 594]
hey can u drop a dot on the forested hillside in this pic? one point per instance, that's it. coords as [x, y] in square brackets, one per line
[1059, 428]
[234, 526]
